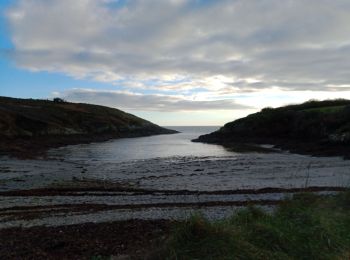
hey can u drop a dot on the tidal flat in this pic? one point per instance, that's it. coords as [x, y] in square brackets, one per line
[159, 177]
[53, 192]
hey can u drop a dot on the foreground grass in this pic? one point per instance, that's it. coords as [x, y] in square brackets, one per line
[305, 227]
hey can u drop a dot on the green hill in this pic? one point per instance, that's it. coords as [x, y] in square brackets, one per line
[28, 122]
[317, 127]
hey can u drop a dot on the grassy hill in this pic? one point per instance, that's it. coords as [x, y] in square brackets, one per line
[26, 122]
[318, 127]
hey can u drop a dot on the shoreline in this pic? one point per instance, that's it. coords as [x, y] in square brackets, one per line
[44, 208]
[31, 148]
[302, 147]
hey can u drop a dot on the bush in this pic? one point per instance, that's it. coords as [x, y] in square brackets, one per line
[58, 100]
[267, 109]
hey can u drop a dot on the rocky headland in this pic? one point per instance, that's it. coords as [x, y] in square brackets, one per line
[29, 127]
[314, 127]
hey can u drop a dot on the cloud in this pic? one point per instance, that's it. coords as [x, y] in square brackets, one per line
[133, 101]
[228, 46]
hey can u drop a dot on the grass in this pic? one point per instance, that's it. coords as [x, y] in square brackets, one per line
[305, 227]
[330, 109]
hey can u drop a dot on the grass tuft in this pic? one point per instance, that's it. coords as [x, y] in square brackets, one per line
[304, 227]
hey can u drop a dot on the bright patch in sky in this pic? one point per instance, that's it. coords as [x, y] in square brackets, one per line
[176, 62]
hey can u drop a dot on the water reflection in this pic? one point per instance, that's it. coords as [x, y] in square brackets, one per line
[144, 147]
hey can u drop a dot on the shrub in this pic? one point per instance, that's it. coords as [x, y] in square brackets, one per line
[58, 100]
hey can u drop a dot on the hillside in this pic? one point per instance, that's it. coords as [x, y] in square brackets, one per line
[26, 124]
[314, 127]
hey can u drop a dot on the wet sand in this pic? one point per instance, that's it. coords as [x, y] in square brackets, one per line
[55, 192]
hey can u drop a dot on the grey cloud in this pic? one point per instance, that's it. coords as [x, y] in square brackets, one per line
[293, 42]
[130, 101]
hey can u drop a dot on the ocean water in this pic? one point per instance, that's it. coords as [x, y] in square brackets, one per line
[142, 148]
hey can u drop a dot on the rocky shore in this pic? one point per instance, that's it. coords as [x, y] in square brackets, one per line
[76, 192]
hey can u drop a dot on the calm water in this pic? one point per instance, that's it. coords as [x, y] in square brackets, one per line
[145, 147]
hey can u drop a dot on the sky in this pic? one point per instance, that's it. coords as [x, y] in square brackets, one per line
[176, 62]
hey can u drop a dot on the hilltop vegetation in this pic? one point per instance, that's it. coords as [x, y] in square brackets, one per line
[314, 126]
[25, 122]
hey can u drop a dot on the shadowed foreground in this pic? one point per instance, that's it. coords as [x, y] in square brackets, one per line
[305, 227]
[131, 239]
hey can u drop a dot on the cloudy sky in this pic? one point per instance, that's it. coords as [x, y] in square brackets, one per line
[176, 62]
